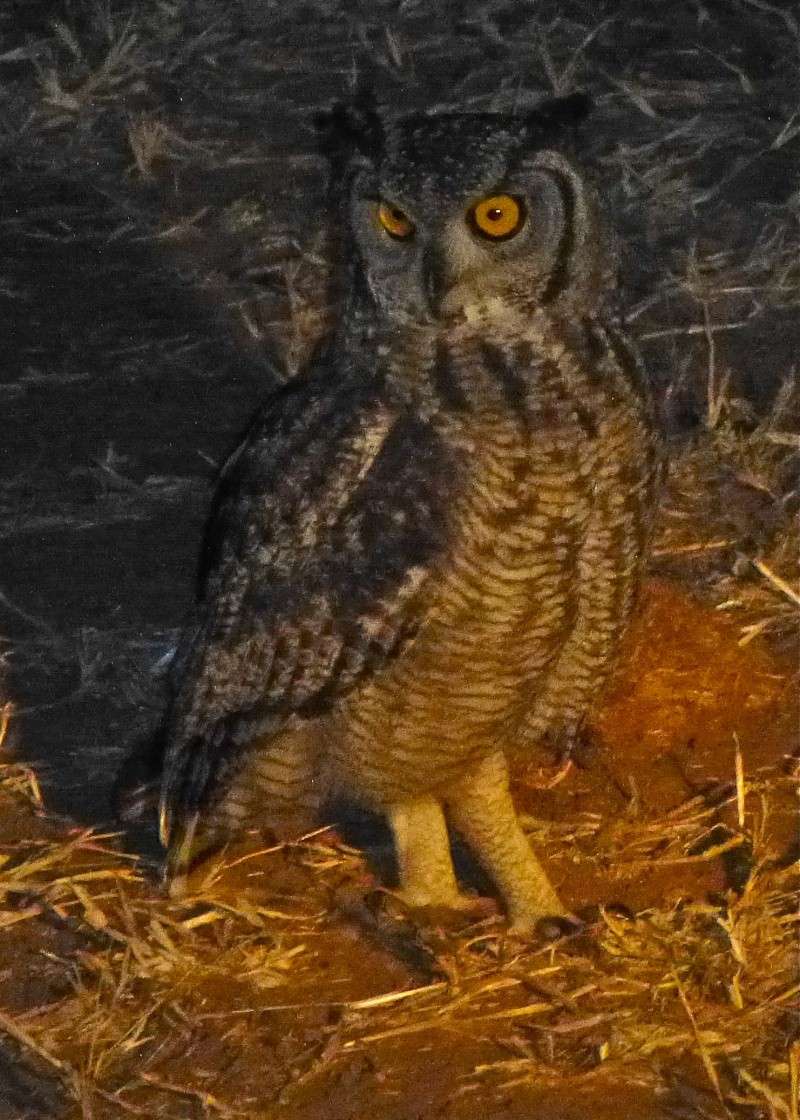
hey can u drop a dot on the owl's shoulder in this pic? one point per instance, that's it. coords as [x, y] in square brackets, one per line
[331, 472]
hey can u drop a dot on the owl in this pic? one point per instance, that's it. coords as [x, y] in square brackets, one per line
[422, 557]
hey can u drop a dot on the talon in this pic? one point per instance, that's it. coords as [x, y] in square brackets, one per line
[619, 910]
[557, 926]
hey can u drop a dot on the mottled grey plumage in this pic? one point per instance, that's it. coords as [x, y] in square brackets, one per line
[424, 554]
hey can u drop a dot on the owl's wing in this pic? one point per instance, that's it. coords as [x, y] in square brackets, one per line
[328, 521]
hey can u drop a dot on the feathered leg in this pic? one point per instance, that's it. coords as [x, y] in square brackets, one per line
[423, 854]
[481, 809]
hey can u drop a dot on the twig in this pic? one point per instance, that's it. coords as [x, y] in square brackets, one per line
[700, 546]
[207, 1100]
[5, 719]
[715, 394]
[38, 623]
[705, 1057]
[741, 789]
[669, 332]
[395, 997]
[115, 1098]
[20, 1035]
[777, 582]
[773, 9]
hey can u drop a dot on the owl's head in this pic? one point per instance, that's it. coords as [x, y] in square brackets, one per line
[453, 211]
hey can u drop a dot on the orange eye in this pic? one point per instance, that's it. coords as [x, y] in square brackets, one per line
[394, 221]
[497, 216]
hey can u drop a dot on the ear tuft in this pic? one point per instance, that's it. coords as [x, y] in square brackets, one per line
[356, 125]
[560, 112]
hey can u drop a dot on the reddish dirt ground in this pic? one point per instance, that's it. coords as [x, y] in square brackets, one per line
[685, 694]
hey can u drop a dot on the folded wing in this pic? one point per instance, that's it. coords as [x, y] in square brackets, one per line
[328, 522]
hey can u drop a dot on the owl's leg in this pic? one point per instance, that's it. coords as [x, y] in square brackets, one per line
[423, 854]
[481, 808]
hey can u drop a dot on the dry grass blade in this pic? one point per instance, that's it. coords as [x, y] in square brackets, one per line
[705, 1056]
[776, 581]
[20, 1035]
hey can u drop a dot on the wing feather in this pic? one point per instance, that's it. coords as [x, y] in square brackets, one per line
[328, 521]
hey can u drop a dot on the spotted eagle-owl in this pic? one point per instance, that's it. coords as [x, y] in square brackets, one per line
[424, 553]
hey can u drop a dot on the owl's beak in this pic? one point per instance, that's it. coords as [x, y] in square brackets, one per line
[434, 278]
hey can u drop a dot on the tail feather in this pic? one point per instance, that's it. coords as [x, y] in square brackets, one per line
[179, 858]
[193, 773]
[135, 792]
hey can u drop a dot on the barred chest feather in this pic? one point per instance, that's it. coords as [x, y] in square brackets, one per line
[525, 612]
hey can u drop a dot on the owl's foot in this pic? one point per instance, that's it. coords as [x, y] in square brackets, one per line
[427, 880]
[482, 810]
[428, 884]
[461, 906]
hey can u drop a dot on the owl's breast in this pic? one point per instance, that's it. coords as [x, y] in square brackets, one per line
[506, 591]
[541, 524]
[499, 607]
